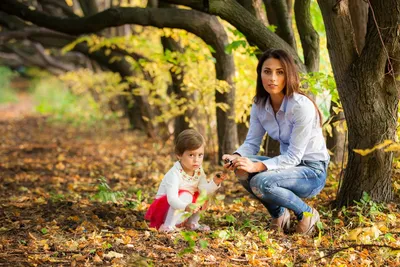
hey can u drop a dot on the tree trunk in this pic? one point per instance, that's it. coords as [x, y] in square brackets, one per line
[280, 15]
[336, 142]
[255, 8]
[368, 91]
[181, 122]
[308, 35]
[272, 147]
[359, 16]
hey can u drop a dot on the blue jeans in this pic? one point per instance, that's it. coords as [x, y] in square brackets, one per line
[279, 189]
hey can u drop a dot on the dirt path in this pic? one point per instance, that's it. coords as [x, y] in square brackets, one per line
[51, 213]
[17, 110]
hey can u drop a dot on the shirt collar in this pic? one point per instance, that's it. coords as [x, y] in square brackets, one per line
[268, 106]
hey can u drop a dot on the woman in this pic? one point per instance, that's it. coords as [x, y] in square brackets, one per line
[287, 115]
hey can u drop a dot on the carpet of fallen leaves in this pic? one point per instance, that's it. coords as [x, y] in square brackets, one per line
[50, 173]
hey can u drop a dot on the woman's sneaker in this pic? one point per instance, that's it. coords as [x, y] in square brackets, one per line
[307, 224]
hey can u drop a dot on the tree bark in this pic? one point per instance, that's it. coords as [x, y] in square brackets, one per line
[255, 8]
[89, 7]
[181, 122]
[368, 91]
[336, 142]
[308, 35]
[359, 17]
[279, 14]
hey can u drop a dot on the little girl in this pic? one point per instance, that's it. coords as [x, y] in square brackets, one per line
[181, 185]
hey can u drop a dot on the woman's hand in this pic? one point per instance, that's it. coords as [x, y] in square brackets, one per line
[229, 161]
[245, 164]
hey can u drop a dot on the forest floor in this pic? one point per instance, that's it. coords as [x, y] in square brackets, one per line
[54, 208]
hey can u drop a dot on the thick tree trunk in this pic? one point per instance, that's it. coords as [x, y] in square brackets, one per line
[359, 16]
[368, 91]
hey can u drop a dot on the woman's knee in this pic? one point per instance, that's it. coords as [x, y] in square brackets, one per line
[261, 186]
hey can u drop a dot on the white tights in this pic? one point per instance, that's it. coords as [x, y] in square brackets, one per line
[174, 216]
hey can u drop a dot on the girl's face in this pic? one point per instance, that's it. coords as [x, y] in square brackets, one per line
[191, 160]
[273, 76]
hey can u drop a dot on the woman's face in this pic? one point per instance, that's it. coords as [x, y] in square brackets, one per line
[273, 76]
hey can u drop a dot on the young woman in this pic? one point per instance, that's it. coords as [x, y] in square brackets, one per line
[292, 118]
[181, 185]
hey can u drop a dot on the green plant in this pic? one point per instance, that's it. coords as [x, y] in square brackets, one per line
[105, 193]
[6, 92]
[135, 202]
[367, 208]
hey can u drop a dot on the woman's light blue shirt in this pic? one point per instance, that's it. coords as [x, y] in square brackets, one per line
[296, 126]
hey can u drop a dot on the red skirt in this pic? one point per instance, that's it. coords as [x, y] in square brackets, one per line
[159, 208]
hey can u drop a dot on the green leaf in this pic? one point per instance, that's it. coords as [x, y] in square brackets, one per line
[203, 243]
[235, 45]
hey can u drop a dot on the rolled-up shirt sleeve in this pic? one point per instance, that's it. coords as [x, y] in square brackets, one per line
[254, 137]
[302, 119]
[172, 187]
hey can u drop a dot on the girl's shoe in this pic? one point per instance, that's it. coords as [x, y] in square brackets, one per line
[168, 229]
[198, 227]
[281, 223]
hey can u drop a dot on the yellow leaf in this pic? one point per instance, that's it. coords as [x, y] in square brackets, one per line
[337, 109]
[353, 235]
[364, 152]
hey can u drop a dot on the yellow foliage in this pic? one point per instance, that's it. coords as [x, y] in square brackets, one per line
[364, 152]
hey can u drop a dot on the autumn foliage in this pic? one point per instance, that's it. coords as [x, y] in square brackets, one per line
[77, 196]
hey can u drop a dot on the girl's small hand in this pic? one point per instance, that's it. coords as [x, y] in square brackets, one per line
[245, 164]
[219, 178]
[192, 208]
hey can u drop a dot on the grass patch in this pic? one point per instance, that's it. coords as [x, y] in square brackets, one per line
[7, 94]
[53, 98]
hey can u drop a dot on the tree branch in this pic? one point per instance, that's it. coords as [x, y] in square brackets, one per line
[254, 30]
[339, 32]
[50, 60]
[308, 35]
[283, 22]
[62, 5]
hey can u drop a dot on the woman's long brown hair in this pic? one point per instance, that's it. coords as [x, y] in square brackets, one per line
[291, 76]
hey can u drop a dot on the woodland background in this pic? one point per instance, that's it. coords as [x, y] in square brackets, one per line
[93, 92]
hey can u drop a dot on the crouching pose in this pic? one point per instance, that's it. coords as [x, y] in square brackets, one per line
[289, 116]
[181, 186]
